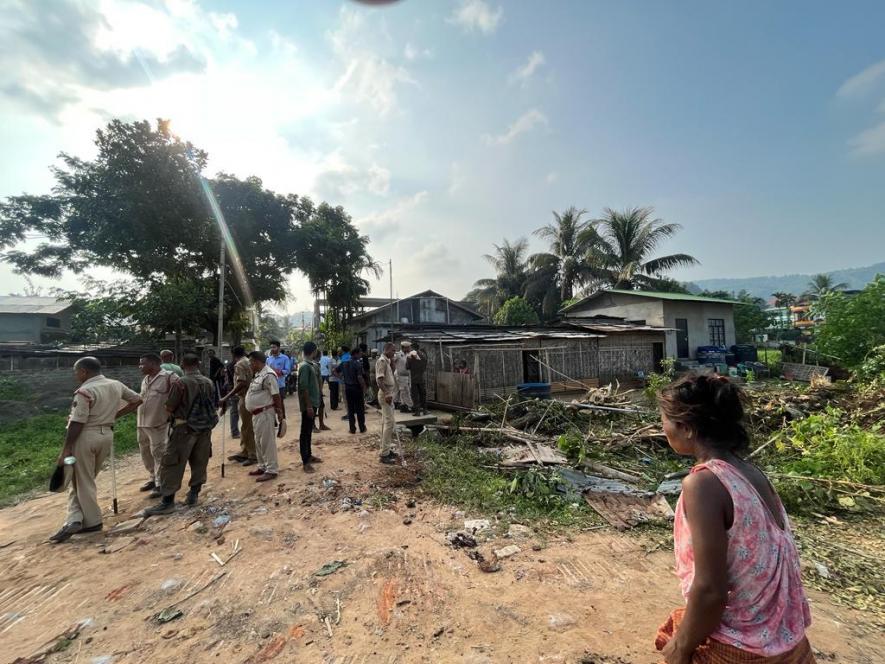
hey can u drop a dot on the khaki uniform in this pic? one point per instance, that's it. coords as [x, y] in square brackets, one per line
[95, 405]
[403, 379]
[384, 376]
[186, 446]
[243, 373]
[152, 419]
[259, 397]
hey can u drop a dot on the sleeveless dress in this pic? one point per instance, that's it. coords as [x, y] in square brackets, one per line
[766, 612]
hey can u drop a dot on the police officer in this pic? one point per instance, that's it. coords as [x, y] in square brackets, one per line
[262, 401]
[386, 383]
[191, 405]
[403, 379]
[89, 438]
[243, 376]
[152, 419]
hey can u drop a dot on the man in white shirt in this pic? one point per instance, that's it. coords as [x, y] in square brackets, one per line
[403, 378]
[152, 420]
[262, 401]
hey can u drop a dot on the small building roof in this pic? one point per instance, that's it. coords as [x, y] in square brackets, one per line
[427, 293]
[483, 334]
[44, 306]
[655, 295]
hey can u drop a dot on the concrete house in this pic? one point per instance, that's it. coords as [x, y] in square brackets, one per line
[33, 320]
[691, 320]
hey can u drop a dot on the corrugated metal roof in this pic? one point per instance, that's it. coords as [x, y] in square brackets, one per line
[656, 295]
[13, 304]
[487, 335]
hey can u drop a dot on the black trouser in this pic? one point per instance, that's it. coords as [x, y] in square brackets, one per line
[356, 406]
[419, 395]
[333, 394]
[283, 401]
[184, 447]
[304, 439]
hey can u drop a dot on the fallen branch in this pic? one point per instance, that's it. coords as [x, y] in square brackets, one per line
[198, 590]
[825, 480]
[610, 409]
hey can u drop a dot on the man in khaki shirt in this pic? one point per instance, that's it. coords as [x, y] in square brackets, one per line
[387, 388]
[90, 435]
[243, 375]
[153, 419]
[262, 401]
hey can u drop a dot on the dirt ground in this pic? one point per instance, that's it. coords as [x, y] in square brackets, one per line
[405, 595]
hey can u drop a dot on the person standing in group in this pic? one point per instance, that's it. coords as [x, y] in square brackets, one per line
[373, 399]
[416, 363]
[351, 373]
[344, 359]
[215, 372]
[735, 555]
[167, 359]
[309, 401]
[367, 372]
[191, 405]
[281, 364]
[386, 383]
[403, 381]
[325, 371]
[89, 438]
[334, 383]
[262, 401]
[243, 375]
[229, 382]
[152, 420]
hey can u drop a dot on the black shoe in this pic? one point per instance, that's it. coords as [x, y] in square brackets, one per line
[147, 486]
[249, 462]
[363, 429]
[389, 459]
[160, 508]
[64, 534]
[192, 497]
[155, 494]
[308, 468]
[353, 431]
[315, 459]
[92, 529]
[237, 457]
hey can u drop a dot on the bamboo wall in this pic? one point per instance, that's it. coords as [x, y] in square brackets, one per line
[623, 355]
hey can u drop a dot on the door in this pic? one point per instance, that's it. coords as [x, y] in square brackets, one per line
[682, 337]
[657, 354]
[531, 368]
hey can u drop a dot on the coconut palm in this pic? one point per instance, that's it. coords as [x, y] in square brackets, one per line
[782, 299]
[511, 268]
[570, 249]
[624, 242]
[820, 285]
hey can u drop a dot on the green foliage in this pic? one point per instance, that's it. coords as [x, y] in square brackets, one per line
[13, 390]
[570, 245]
[538, 485]
[853, 327]
[750, 317]
[516, 311]
[655, 382]
[511, 272]
[29, 448]
[873, 366]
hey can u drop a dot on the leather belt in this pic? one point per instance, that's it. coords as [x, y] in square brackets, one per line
[261, 410]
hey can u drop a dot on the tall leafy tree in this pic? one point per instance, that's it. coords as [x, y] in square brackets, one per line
[510, 263]
[783, 299]
[625, 243]
[821, 284]
[516, 311]
[570, 250]
[852, 327]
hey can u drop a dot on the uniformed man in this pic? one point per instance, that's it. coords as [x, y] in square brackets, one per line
[167, 357]
[416, 363]
[243, 376]
[262, 401]
[403, 380]
[386, 383]
[310, 402]
[281, 365]
[191, 405]
[152, 420]
[89, 437]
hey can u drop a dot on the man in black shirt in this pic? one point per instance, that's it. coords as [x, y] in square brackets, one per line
[353, 376]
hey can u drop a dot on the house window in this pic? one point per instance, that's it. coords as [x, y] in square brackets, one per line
[717, 331]
[53, 322]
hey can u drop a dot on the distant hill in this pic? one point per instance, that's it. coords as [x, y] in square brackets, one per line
[763, 287]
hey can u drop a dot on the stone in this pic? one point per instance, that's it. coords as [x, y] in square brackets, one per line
[517, 531]
[198, 527]
[507, 551]
[476, 525]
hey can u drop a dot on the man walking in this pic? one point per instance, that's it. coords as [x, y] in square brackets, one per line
[247, 456]
[309, 400]
[191, 405]
[386, 383]
[417, 366]
[167, 357]
[351, 372]
[403, 381]
[152, 420]
[89, 438]
[281, 365]
[262, 401]
[334, 384]
[325, 361]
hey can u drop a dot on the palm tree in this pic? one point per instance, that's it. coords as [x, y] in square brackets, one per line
[511, 266]
[820, 285]
[624, 243]
[570, 246]
[782, 299]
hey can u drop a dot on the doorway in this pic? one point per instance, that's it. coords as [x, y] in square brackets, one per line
[657, 355]
[531, 368]
[682, 338]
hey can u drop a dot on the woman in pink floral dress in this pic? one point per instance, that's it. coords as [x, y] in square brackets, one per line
[735, 555]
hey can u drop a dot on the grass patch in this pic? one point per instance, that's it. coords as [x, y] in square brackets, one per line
[29, 448]
[12, 390]
[458, 474]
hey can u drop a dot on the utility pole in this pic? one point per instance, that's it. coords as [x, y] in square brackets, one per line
[221, 270]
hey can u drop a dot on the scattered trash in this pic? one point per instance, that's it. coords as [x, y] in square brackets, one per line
[329, 484]
[461, 540]
[330, 568]
[476, 525]
[560, 621]
[102, 659]
[168, 615]
[487, 566]
[221, 520]
[349, 503]
[169, 586]
[198, 527]
[821, 569]
[626, 510]
[507, 551]
[234, 551]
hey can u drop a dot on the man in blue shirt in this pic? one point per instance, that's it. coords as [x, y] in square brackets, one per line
[282, 367]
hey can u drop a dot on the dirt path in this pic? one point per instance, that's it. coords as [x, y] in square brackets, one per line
[404, 596]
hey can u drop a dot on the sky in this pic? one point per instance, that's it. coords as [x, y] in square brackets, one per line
[445, 126]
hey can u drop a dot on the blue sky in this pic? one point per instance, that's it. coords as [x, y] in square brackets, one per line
[444, 127]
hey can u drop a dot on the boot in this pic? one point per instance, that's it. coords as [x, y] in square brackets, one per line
[192, 496]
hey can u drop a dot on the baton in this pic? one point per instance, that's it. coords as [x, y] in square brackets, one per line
[223, 423]
[113, 478]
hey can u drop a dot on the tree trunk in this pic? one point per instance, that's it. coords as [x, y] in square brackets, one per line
[178, 341]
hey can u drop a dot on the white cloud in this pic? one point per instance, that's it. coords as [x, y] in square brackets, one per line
[522, 74]
[524, 123]
[552, 177]
[412, 52]
[476, 15]
[379, 180]
[456, 178]
[869, 141]
[863, 82]
[384, 224]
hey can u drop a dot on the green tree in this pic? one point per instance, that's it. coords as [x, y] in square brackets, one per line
[516, 311]
[625, 242]
[570, 250]
[820, 285]
[852, 327]
[782, 299]
[271, 328]
[750, 317]
[511, 269]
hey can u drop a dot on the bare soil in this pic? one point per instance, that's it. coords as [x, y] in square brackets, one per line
[405, 595]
